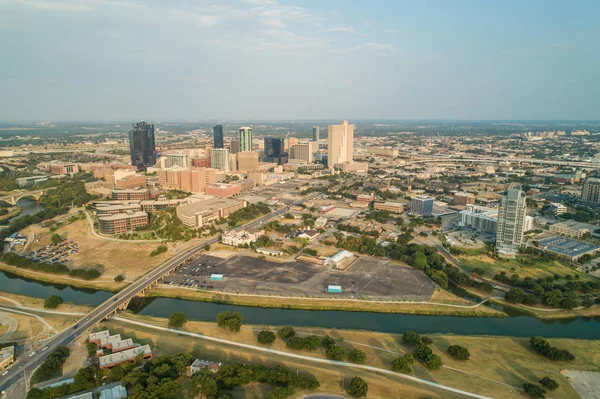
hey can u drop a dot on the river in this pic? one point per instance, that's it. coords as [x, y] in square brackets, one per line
[29, 206]
[516, 325]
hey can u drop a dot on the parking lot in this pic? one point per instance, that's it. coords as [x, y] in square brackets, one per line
[367, 277]
[54, 253]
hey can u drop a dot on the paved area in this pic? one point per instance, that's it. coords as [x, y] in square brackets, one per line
[367, 276]
[586, 383]
[13, 324]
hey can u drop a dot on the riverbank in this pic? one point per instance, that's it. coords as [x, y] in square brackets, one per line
[448, 305]
[498, 366]
[549, 313]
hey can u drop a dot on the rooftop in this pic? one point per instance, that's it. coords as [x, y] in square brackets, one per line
[120, 357]
[567, 246]
[207, 205]
[120, 216]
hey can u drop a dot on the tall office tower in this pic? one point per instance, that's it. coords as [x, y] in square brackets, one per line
[316, 131]
[247, 161]
[591, 190]
[340, 144]
[234, 146]
[141, 145]
[245, 139]
[273, 147]
[511, 218]
[422, 205]
[302, 152]
[219, 159]
[218, 136]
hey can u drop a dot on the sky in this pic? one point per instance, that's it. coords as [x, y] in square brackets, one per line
[298, 60]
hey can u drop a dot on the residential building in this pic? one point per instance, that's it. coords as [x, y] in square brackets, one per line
[483, 220]
[316, 134]
[461, 198]
[218, 136]
[240, 237]
[122, 222]
[201, 213]
[198, 365]
[131, 195]
[114, 359]
[223, 189]
[571, 228]
[219, 159]
[591, 190]
[247, 161]
[422, 205]
[340, 144]
[302, 152]
[141, 145]
[511, 218]
[175, 159]
[393, 207]
[245, 139]
[114, 343]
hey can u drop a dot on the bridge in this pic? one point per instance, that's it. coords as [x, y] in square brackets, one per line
[13, 198]
[419, 159]
[26, 363]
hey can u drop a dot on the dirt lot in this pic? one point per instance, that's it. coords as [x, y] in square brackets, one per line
[368, 277]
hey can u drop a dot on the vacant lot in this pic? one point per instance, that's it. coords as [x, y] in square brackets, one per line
[367, 277]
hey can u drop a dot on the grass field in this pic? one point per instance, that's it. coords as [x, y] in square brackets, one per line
[540, 268]
[333, 304]
[498, 366]
[32, 302]
[554, 314]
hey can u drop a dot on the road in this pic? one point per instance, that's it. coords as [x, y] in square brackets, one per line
[28, 362]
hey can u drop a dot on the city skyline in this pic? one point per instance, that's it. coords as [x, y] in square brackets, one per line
[394, 61]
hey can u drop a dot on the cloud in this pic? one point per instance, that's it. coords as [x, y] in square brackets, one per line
[341, 28]
[49, 5]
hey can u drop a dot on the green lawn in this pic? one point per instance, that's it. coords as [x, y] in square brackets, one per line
[540, 268]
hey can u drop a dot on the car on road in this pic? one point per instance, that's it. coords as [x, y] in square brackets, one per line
[5, 372]
[44, 348]
[32, 354]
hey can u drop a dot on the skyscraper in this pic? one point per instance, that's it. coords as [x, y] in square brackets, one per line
[245, 138]
[422, 205]
[219, 159]
[234, 146]
[316, 131]
[511, 218]
[218, 136]
[340, 144]
[591, 190]
[273, 147]
[141, 145]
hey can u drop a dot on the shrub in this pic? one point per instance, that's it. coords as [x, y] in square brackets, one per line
[231, 321]
[266, 337]
[433, 362]
[177, 320]
[358, 387]
[402, 364]
[159, 250]
[357, 356]
[549, 383]
[295, 342]
[335, 352]
[52, 366]
[207, 247]
[119, 278]
[52, 302]
[327, 341]
[312, 342]
[543, 347]
[535, 391]
[411, 337]
[56, 238]
[426, 340]
[422, 351]
[286, 332]
[458, 352]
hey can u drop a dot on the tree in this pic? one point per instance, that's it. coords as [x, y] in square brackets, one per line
[535, 391]
[177, 320]
[231, 321]
[514, 295]
[327, 341]
[411, 337]
[266, 337]
[52, 302]
[205, 383]
[56, 238]
[286, 332]
[358, 387]
[357, 356]
[119, 278]
[549, 383]
[426, 340]
[458, 352]
[402, 364]
[433, 362]
[312, 342]
[295, 342]
[422, 351]
[335, 352]
[207, 247]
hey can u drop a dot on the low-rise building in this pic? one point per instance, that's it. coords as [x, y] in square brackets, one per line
[309, 235]
[558, 208]
[223, 190]
[201, 365]
[566, 247]
[201, 213]
[394, 207]
[270, 252]
[30, 181]
[7, 357]
[122, 222]
[571, 228]
[130, 181]
[129, 355]
[105, 209]
[339, 259]
[240, 237]
[131, 195]
[462, 198]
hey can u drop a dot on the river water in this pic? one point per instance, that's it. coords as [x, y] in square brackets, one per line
[516, 325]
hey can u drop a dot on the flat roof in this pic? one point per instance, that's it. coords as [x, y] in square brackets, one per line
[120, 216]
[574, 225]
[567, 246]
[123, 356]
[207, 205]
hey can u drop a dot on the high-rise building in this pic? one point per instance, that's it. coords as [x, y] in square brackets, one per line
[219, 159]
[234, 146]
[273, 150]
[247, 161]
[288, 142]
[316, 132]
[340, 144]
[218, 136]
[591, 190]
[245, 138]
[302, 152]
[511, 218]
[141, 145]
[422, 205]
[175, 159]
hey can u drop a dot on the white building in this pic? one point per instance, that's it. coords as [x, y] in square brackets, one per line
[240, 237]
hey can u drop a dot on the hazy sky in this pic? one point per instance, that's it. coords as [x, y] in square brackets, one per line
[320, 59]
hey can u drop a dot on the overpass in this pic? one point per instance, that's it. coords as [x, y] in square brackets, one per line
[450, 159]
[25, 365]
[13, 198]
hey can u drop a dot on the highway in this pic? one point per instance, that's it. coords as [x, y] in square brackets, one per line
[27, 364]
